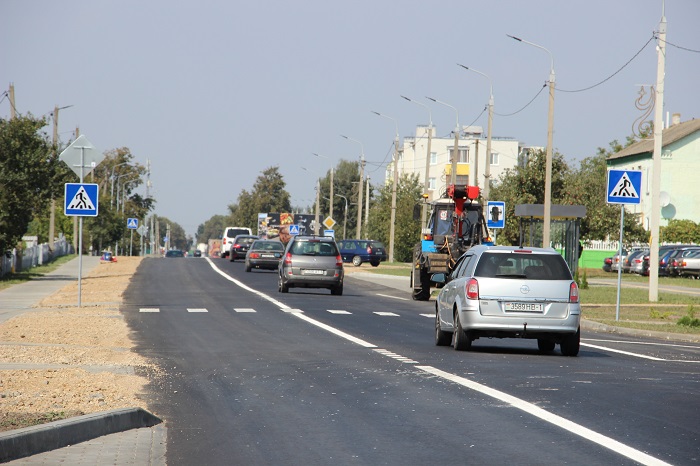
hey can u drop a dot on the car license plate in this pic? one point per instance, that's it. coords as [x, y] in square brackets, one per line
[267, 255]
[524, 307]
[313, 272]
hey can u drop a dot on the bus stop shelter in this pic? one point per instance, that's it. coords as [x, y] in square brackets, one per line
[564, 230]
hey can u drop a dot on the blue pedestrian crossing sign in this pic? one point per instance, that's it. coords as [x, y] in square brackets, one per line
[132, 223]
[624, 187]
[495, 214]
[293, 229]
[81, 199]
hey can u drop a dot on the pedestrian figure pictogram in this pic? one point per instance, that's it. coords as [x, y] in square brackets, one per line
[81, 201]
[624, 188]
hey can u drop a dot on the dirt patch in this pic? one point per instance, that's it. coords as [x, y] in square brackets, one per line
[72, 360]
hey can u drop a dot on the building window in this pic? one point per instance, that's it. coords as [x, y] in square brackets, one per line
[462, 154]
[433, 158]
[431, 184]
[494, 158]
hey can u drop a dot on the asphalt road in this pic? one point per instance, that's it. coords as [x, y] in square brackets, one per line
[252, 376]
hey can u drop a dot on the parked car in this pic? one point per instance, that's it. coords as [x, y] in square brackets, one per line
[197, 253]
[509, 291]
[607, 264]
[229, 235]
[240, 246]
[311, 262]
[358, 251]
[666, 255]
[690, 265]
[174, 253]
[675, 258]
[634, 262]
[264, 254]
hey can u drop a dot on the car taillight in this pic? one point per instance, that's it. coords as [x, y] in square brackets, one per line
[683, 264]
[237, 246]
[288, 259]
[338, 260]
[428, 237]
[472, 289]
[254, 255]
[573, 293]
[224, 241]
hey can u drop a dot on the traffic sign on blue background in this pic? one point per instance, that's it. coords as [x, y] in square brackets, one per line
[81, 199]
[624, 187]
[293, 229]
[132, 223]
[496, 214]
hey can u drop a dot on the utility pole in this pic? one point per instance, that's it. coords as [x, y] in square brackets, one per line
[476, 164]
[52, 213]
[330, 210]
[317, 222]
[13, 112]
[656, 162]
[75, 218]
[392, 220]
[367, 208]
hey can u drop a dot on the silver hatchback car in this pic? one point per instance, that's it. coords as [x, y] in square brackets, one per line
[509, 291]
[311, 262]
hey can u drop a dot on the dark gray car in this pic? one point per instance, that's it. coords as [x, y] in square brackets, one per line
[311, 262]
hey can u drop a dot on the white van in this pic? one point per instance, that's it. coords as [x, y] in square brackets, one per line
[227, 238]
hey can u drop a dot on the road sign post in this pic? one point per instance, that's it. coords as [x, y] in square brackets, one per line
[623, 188]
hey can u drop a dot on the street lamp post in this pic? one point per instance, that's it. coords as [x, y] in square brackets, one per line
[345, 220]
[392, 221]
[455, 150]
[52, 214]
[111, 177]
[318, 201]
[550, 133]
[330, 209]
[426, 184]
[359, 186]
[487, 168]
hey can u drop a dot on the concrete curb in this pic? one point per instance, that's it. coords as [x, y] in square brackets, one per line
[30, 441]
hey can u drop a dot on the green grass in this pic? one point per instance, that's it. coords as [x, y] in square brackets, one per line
[26, 275]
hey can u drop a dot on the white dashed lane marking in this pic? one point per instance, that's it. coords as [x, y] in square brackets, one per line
[386, 314]
[149, 309]
[244, 309]
[338, 311]
[197, 309]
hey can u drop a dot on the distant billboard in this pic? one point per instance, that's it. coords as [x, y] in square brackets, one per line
[269, 224]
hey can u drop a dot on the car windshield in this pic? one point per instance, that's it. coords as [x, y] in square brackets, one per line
[531, 266]
[174, 254]
[245, 240]
[314, 248]
[233, 232]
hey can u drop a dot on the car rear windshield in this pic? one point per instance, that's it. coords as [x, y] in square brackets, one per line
[233, 232]
[268, 245]
[314, 248]
[245, 240]
[531, 266]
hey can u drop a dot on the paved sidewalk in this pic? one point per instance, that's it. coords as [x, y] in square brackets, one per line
[140, 437]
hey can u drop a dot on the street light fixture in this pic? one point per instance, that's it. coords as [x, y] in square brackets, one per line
[550, 133]
[426, 185]
[487, 169]
[455, 153]
[392, 220]
[362, 177]
[111, 177]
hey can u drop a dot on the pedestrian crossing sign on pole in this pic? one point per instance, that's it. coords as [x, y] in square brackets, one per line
[132, 223]
[81, 199]
[624, 187]
[293, 229]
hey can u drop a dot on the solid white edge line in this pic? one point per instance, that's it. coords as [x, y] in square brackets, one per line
[558, 421]
[540, 413]
[636, 355]
[392, 297]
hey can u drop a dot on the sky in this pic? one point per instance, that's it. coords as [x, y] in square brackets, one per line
[213, 92]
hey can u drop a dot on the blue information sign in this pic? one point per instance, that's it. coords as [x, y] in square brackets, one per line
[81, 199]
[624, 187]
[496, 214]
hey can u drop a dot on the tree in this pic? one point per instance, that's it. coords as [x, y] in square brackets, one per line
[407, 227]
[681, 231]
[346, 176]
[524, 184]
[212, 228]
[29, 176]
[268, 195]
[178, 238]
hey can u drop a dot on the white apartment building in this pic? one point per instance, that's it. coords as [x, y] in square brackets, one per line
[506, 152]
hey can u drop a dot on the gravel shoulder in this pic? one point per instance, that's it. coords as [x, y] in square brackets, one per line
[62, 360]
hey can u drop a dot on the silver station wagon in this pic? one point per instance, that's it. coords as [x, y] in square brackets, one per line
[509, 292]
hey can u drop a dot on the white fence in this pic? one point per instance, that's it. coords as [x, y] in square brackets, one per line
[33, 256]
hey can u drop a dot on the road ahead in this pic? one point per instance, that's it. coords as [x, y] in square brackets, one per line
[252, 376]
